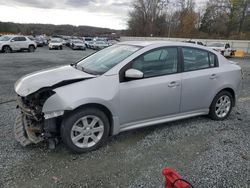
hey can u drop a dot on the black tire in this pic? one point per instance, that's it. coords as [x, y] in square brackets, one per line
[212, 113]
[6, 49]
[31, 48]
[72, 118]
[61, 47]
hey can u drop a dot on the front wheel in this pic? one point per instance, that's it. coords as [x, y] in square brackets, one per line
[221, 106]
[6, 49]
[85, 130]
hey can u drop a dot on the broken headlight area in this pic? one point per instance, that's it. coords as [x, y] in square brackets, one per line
[31, 126]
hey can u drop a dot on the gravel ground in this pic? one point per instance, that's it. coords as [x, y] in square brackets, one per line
[206, 153]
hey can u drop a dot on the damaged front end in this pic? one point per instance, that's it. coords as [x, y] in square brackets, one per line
[31, 126]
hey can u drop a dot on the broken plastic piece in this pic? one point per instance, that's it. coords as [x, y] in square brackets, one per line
[174, 180]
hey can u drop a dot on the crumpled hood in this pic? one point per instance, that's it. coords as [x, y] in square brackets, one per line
[48, 78]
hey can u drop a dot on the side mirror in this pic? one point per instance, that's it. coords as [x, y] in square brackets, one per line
[133, 74]
[12, 40]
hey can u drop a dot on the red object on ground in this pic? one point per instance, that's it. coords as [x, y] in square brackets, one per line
[173, 179]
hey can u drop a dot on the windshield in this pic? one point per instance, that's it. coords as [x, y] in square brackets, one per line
[4, 38]
[216, 45]
[104, 60]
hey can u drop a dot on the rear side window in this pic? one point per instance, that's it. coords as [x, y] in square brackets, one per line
[22, 39]
[195, 59]
[212, 59]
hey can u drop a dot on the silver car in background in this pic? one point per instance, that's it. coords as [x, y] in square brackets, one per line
[123, 87]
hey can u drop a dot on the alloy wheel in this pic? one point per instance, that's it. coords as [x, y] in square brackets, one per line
[223, 106]
[87, 131]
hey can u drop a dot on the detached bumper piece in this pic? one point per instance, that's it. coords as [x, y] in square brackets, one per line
[174, 180]
[25, 133]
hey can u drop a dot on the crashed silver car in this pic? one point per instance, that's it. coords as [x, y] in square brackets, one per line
[123, 87]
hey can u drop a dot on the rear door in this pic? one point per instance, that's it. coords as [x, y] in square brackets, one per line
[23, 43]
[199, 79]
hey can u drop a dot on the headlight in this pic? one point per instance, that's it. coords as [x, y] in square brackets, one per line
[53, 114]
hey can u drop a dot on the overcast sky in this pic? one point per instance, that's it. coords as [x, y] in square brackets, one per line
[101, 13]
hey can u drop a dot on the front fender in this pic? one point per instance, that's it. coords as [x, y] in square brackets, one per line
[55, 103]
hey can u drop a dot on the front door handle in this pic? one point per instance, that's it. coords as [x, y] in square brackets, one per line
[173, 84]
[213, 76]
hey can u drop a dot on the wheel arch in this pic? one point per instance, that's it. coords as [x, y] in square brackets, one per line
[5, 46]
[101, 107]
[231, 91]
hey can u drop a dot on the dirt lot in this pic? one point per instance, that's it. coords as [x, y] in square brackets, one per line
[205, 152]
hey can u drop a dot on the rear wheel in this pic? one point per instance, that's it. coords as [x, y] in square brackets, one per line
[6, 49]
[85, 130]
[221, 106]
[31, 48]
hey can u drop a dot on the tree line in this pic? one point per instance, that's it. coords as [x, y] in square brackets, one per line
[184, 18]
[49, 29]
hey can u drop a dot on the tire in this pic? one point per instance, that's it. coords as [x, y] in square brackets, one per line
[6, 49]
[31, 48]
[77, 126]
[61, 47]
[220, 109]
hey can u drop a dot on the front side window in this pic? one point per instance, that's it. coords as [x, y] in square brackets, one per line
[195, 59]
[15, 39]
[158, 62]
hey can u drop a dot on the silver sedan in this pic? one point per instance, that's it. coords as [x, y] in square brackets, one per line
[123, 87]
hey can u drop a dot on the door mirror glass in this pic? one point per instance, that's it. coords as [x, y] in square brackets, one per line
[133, 74]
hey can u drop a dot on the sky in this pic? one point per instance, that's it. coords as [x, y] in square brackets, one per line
[100, 13]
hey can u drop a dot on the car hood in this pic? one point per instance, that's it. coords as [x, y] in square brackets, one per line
[2, 42]
[54, 77]
[79, 44]
[55, 43]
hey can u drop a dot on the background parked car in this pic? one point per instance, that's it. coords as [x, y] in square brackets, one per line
[39, 41]
[55, 43]
[98, 45]
[223, 48]
[78, 45]
[87, 41]
[9, 43]
[195, 42]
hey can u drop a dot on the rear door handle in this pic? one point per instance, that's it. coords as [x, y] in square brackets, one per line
[213, 76]
[173, 84]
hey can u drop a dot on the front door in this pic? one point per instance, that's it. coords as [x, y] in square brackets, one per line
[157, 94]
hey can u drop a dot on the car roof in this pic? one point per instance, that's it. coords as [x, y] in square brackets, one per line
[149, 43]
[156, 44]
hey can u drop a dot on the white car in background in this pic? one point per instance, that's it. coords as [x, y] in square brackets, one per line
[99, 45]
[78, 45]
[224, 48]
[55, 43]
[10, 43]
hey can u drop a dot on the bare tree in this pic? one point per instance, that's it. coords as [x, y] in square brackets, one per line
[147, 18]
